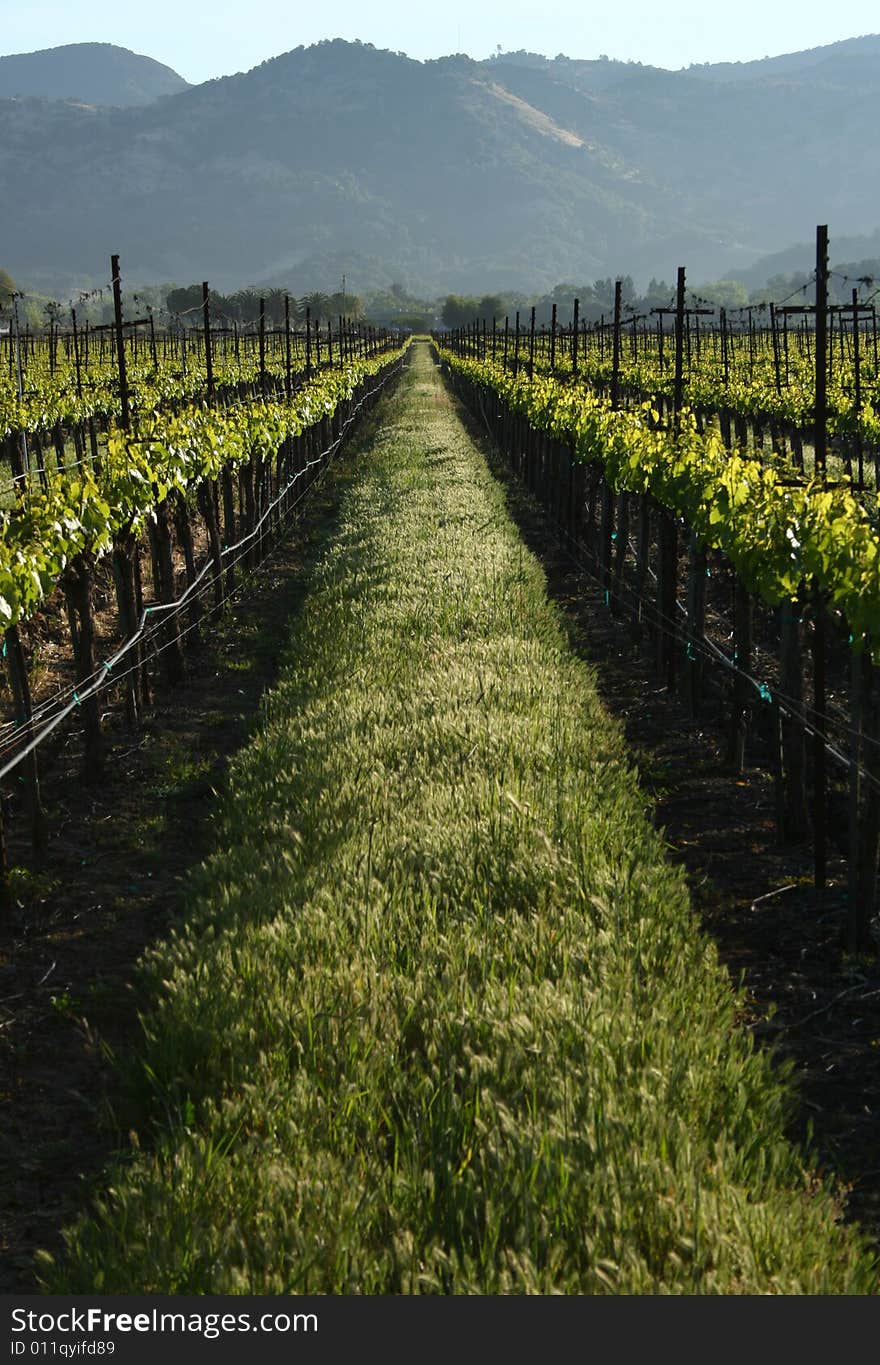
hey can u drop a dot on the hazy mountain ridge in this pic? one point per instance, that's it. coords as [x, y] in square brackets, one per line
[788, 63]
[448, 175]
[89, 73]
[854, 255]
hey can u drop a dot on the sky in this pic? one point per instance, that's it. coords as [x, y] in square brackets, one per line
[203, 40]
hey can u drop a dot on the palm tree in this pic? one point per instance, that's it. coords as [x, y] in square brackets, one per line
[347, 306]
[319, 304]
[275, 306]
[244, 305]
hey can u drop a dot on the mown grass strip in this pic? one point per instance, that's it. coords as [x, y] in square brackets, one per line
[439, 1018]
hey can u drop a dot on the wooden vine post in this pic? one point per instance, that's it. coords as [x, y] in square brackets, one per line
[29, 775]
[668, 530]
[643, 550]
[77, 580]
[863, 885]
[794, 823]
[288, 377]
[124, 405]
[126, 554]
[696, 620]
[743, 631]
[184, 535]
[858, 670]
[77, 584]
[207, 495]
[820, 776]
[163, 571]
[608, 499]
[125, 550]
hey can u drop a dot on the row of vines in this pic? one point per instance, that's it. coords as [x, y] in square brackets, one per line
[170, 473]
[739, 565]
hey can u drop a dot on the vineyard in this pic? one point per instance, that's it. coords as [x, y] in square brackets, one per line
[424, 1020]
[152, 460]
[727, 502]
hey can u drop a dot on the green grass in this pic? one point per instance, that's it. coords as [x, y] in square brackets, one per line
[439, 1018]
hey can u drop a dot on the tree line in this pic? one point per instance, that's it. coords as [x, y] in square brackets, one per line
[243, 306]
[396, 306]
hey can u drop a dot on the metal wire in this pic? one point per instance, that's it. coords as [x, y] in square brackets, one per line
[105, 675]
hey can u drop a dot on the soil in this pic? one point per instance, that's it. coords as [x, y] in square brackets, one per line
[120, 852]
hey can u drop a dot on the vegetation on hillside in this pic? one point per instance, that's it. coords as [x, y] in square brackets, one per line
[451, 175]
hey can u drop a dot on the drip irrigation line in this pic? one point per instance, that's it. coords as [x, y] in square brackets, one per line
[213, 608]
[47, 705]
[277, 376]
[788, 706]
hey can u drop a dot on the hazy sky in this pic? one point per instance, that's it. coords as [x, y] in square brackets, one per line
[201, 40]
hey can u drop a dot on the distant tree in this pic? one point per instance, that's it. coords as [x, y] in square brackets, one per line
[389, 307]
[345, 306]
[414, 322]
[318, 303]
[491, 306]
[8, 288]
[274, 305]
[658, 294]
[867, 271]
[604, 290]
[723, 293]
[782, 287]
[459, 310]
[181, 300]
[243, 306]
[564, 295]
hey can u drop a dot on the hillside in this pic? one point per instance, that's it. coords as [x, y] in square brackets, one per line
[789, 63]
[446, 175]
[851, 256]
[92, 73]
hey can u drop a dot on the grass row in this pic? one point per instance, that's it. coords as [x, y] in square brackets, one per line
[439, 1018]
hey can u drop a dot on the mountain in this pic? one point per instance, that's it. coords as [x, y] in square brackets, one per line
[850, 254]
[92, 73]
[517, 172]
[790, 63]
